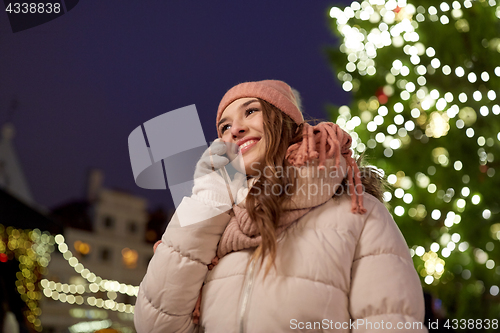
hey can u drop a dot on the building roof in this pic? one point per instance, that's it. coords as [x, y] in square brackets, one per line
[74, 214]
[17, 213]
[11, 175]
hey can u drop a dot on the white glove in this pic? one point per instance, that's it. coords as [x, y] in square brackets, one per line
[209, 186]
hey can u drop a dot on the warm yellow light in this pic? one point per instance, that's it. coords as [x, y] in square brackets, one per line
[82, 247]
[129, 257]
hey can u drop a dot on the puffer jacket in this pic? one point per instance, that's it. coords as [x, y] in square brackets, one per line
[335, 271]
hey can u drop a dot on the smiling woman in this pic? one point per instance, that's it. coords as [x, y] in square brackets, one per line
[308, 236]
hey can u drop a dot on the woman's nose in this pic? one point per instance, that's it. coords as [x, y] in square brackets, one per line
[237, 129]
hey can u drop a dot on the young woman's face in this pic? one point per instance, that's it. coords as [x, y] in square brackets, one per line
[242, 125]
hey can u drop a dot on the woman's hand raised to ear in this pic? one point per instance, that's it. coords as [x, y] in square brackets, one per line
[209, 186]
[212, 159]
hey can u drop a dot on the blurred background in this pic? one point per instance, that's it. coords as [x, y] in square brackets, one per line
[414, 81]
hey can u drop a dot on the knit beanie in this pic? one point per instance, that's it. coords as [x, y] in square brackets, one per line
[275, 92]
[322, 141]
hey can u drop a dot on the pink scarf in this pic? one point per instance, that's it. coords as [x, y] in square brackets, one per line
[314, 187]
[328, 140]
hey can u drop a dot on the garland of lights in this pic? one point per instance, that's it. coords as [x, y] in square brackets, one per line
[71, 293]
[397, 28]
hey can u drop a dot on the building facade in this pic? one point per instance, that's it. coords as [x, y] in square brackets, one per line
[95, 270]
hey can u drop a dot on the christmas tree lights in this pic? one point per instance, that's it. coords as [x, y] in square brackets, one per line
[424, 77]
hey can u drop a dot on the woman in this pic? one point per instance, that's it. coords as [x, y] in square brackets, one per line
[304, 248]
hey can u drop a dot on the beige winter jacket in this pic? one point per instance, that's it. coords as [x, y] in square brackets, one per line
[335, 271]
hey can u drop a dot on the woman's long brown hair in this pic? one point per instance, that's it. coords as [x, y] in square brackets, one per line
[280, 131]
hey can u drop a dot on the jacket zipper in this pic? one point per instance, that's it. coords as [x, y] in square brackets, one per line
[247, 290]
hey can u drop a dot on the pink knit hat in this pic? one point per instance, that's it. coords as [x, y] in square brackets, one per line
[322, 141]
[278, 93]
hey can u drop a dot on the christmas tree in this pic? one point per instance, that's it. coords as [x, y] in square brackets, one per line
[423, 77]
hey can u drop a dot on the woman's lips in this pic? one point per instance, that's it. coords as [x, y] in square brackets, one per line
[247, 145]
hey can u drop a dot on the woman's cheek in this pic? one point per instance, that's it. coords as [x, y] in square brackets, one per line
[235, 158]
[232, 150]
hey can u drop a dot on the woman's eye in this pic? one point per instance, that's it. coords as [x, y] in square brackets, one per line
[224, 128]
[250, 111]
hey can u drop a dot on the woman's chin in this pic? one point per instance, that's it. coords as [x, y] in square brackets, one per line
[253, 168]
[249, 169]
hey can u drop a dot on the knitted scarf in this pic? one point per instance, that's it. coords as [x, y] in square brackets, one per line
[328, 140]
[313, 187]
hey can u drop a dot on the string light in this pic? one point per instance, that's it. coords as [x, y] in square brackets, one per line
[105, 285]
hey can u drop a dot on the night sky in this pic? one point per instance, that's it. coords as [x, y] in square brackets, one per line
[85, 80]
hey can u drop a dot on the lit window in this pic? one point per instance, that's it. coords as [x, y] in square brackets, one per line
[129, 257]
[82, 247]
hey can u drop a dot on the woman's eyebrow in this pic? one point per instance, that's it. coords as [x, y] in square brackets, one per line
[221, 121]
